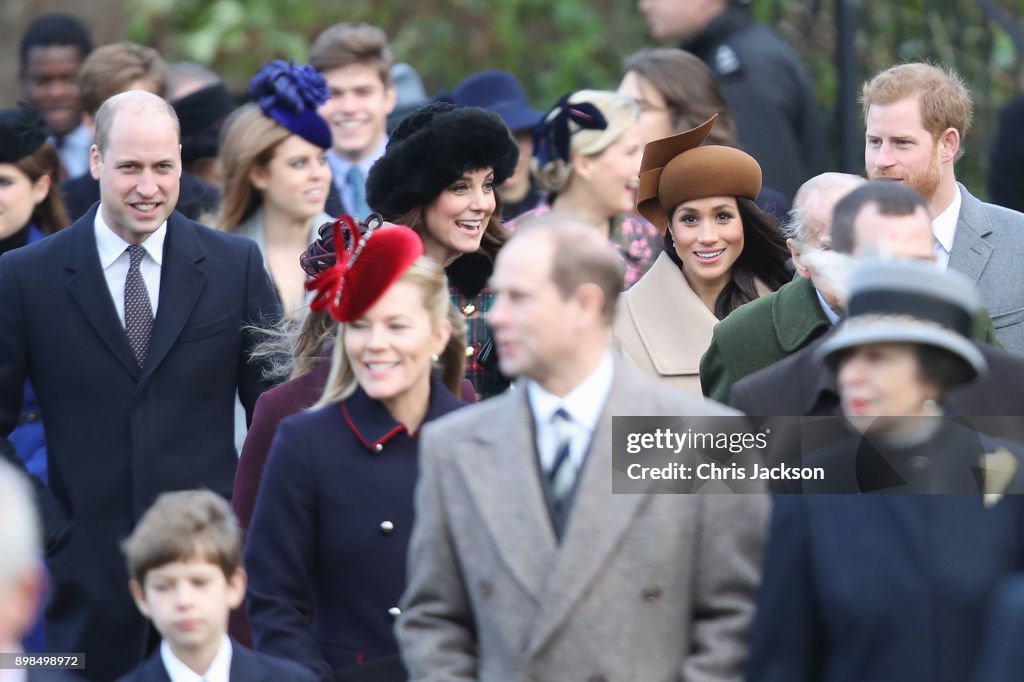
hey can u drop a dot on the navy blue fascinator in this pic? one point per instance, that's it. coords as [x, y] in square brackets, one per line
[290, 95]
[552, 136]
[22, 131]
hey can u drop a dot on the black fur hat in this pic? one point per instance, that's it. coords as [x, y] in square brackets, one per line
[431, 148]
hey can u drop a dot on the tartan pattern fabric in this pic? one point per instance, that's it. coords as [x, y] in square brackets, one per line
[485, 377]
[138, 313]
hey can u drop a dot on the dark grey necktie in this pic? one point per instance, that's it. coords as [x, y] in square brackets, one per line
[562, 474]
[138, 313]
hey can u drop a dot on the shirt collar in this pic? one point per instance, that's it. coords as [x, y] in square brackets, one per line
[944, 224]
[219, 670]
[340, 165]
[111, 246]
[833, 316]
[583, 403]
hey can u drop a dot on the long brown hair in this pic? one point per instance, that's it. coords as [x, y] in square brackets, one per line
[250, 139]
[495, 234]
[49, 215]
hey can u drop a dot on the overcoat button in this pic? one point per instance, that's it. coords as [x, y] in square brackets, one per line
[378, 447]
[652, 593]
[469, 351]
[387, 527]
[394, 612]
[468, 310]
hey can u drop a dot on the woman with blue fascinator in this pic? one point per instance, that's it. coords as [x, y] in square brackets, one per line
[276, 177]
[587, 156]
[326, 548]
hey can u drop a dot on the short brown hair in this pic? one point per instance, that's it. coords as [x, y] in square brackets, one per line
[944, 99]
[113, 68]
[181, 526]
[350, 43]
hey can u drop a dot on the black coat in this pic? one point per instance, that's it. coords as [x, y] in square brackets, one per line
[117, 435]
[246, 666]
[770, 95]
[316, 544]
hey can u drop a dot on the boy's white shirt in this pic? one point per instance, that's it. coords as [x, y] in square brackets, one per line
[219, 670]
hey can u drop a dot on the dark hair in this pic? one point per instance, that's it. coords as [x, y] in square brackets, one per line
[942, 368]
[891, 198]
[52, 30]
[494, 237]
[689, 88]
[763, 258]
[49, 215]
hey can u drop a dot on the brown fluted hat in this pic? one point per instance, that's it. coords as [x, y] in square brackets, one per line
[677, 169]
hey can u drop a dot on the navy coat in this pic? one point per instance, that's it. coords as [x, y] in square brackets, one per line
[887, 588]
[118, 435]
[246, 666]
[330, 532]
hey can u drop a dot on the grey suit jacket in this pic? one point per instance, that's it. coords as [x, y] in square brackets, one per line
[643, 587]
[989, 249]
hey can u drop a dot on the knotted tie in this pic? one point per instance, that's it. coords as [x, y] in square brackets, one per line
[357, 183]
[562, 474]
[138, 313]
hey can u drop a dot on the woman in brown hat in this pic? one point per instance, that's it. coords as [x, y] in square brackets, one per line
[721, 251]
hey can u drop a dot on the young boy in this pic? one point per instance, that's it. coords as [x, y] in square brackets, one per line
[184, 559]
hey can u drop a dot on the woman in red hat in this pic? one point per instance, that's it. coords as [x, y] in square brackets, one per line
[438, 176]
[721, 251]
[276, 177]
[326, 547]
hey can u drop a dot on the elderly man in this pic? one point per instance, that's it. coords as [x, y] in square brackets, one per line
[773, 326]
[916, 117]
[892, 221]
[522, 563]
[135, 327]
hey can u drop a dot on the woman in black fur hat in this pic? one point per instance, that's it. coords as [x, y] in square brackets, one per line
[438, 176]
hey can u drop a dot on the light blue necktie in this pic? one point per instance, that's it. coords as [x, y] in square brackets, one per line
[357, 184]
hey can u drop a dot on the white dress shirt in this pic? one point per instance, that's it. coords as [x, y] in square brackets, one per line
[944, 230]
[584, 405]
[12, 674]
[114, 260]
[219, 670]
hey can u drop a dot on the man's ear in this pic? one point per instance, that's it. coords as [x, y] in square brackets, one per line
[236, 588]
[949, 145]
[795, 252]
[95, 159]
[139, 595]
[590, 298]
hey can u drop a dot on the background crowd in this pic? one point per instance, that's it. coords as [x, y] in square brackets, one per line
[321, 273]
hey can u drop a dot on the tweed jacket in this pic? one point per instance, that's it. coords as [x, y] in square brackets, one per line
[647, 587]
[989, 248]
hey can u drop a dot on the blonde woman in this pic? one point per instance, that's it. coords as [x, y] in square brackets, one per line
[327, 543]
[587, 155]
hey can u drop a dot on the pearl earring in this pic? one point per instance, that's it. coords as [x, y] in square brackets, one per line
[434, 357]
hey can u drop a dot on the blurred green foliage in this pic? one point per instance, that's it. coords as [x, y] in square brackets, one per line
[555, 46]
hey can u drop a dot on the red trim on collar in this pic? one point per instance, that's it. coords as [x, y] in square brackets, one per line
[400, 428]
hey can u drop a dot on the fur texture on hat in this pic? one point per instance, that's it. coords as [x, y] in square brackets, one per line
[432, 148]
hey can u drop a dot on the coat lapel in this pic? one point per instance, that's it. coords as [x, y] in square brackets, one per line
[244, 665]
[598, 521]
[970, 253]
[500, 461]
[181, 281]
[88, 288]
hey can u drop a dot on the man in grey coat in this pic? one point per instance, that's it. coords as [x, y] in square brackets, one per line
[916, 116]
[523, 565]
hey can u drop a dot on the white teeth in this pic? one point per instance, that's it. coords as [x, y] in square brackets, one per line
[381, 365]
[469, 224]
[709, 254]
[145, 207]
[349, 124]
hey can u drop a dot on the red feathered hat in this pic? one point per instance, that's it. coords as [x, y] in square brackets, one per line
[361, 275]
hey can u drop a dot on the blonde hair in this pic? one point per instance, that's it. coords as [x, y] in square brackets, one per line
[250, 139]
[943, 98]
[428, 276]
[620, 111]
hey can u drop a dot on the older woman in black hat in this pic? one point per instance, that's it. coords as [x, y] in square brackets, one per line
[438, 176]
[326, 548]
[721, 251]
[276, 178]
[30, 209]
[893, 588]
